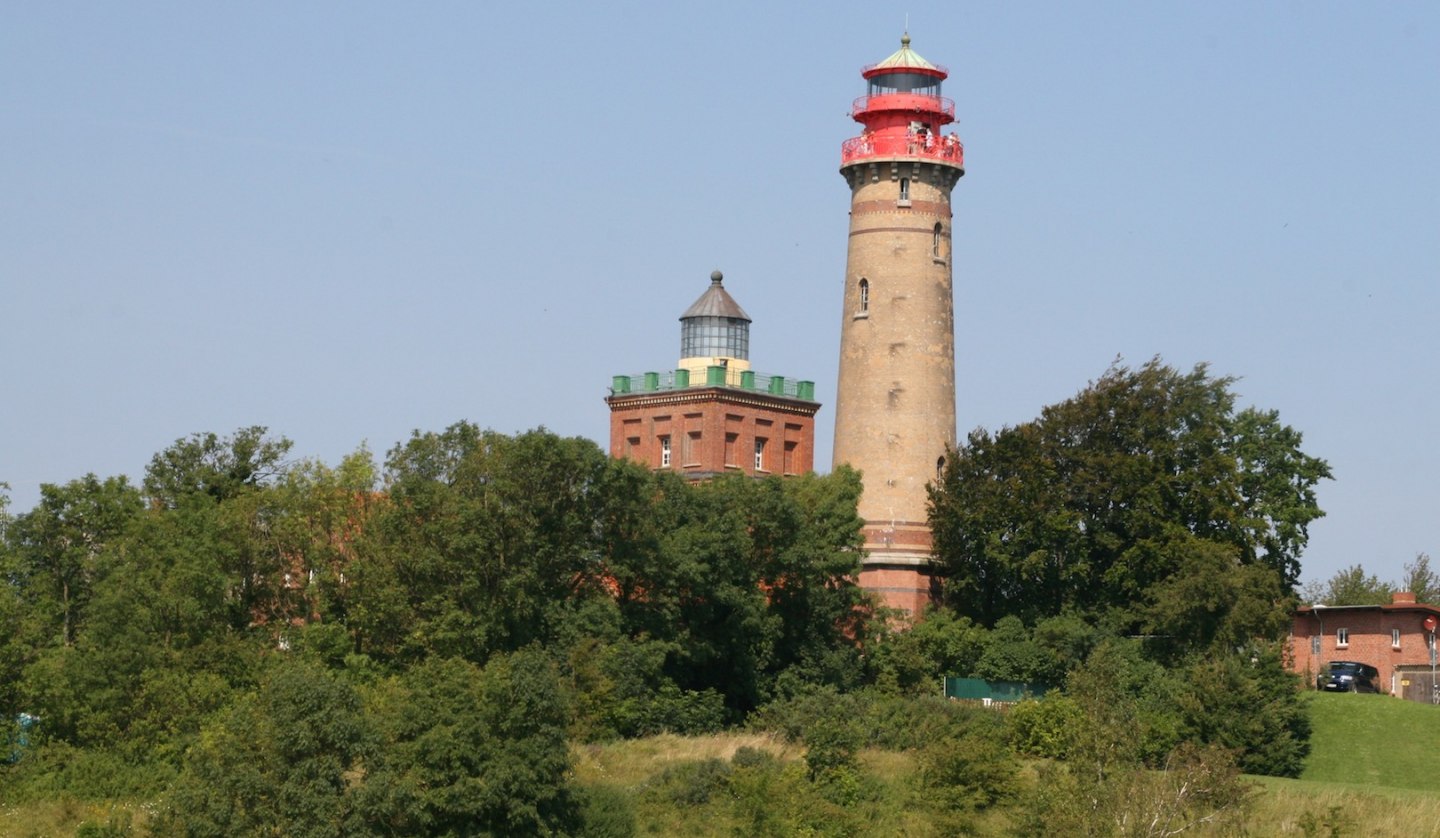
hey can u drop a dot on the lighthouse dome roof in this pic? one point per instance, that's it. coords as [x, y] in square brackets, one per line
[906, 58]
[716, 302]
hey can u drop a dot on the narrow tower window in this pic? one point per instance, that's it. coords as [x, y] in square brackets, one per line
[904, 188]
[940, 469]
[864, 295]
[935, 247]
[664, 452]
[759, 455]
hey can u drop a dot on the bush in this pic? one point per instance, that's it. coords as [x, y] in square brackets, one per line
[791, 717]
[1045, 727]
[1250, 704]
[968, 774]
[831, 745]
[605, 813]
[771, 799]
[895, 723]
[693, 783]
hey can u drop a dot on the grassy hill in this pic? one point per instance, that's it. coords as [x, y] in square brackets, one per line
[1374, 740]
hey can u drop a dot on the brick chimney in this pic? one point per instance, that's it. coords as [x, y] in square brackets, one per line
[1402, 598]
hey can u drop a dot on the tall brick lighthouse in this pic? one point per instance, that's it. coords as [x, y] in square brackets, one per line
[895, 405]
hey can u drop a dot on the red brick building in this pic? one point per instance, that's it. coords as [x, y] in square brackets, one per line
[1393, 638]
[712, 414]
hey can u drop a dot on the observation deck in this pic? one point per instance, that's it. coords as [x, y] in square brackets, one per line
[946, 149]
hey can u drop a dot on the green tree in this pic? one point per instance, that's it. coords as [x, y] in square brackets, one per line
[1251, 705]
[213, 466]
[1350, 586]
[278, 762]
[58, 546]
[471, 751]
[1420, 580]
[484, 545]
[1096, 505]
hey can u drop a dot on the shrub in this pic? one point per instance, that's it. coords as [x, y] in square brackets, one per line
[605, 813]
[693, 783]
[968, 774]
[791, 717]
[897, 723]
[1045, 727]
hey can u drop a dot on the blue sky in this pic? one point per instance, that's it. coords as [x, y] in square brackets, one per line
[346, 221]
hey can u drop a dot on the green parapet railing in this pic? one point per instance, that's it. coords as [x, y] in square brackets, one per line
[715, 376]
[979, 689]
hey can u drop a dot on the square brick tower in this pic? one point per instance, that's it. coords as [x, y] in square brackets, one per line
[895, 403]
[712, 414]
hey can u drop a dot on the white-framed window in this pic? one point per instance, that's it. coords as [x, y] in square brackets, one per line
[759, 455]
[864, 294]
[1395, 638]
[664, 452]
[1342, 638]
[1315, 645]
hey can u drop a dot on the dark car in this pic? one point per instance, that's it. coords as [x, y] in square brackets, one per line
[1348, 677]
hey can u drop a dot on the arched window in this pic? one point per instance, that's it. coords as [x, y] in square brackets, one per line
[864, 295]
[940, 469]
[935, 248]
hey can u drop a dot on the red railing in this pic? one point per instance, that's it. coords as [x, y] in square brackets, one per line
[904, 102]
[947, 148]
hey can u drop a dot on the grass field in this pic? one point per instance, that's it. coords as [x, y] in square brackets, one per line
[1374, 740]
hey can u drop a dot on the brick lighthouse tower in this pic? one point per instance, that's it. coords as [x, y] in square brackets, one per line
[895, 406]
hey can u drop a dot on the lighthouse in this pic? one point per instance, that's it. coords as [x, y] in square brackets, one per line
[895, 401]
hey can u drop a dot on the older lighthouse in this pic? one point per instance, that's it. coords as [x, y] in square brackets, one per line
[895, 404]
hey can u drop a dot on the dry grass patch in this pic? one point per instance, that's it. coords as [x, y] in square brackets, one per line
[1307, 807]
[633, 761]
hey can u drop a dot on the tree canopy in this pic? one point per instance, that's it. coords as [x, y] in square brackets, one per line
[1146, 501]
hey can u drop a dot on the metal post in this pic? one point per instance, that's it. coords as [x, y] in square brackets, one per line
[1434, 687]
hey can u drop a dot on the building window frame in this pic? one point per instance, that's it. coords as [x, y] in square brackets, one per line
[1342, 638]
[1315, 645]
[665, 451]
[1394, 638]
[864, 295]
[759, 453]
[905, 191]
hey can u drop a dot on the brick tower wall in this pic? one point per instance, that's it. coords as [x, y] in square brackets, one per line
[895, 406]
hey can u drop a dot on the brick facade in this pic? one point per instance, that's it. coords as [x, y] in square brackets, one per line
[714, 430]
[1392, 638]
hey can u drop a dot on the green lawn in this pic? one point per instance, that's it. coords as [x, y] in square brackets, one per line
[1374, 740]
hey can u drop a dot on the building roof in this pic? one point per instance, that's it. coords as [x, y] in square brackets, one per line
[1399, 601]
[905, 59]
[716, 302]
